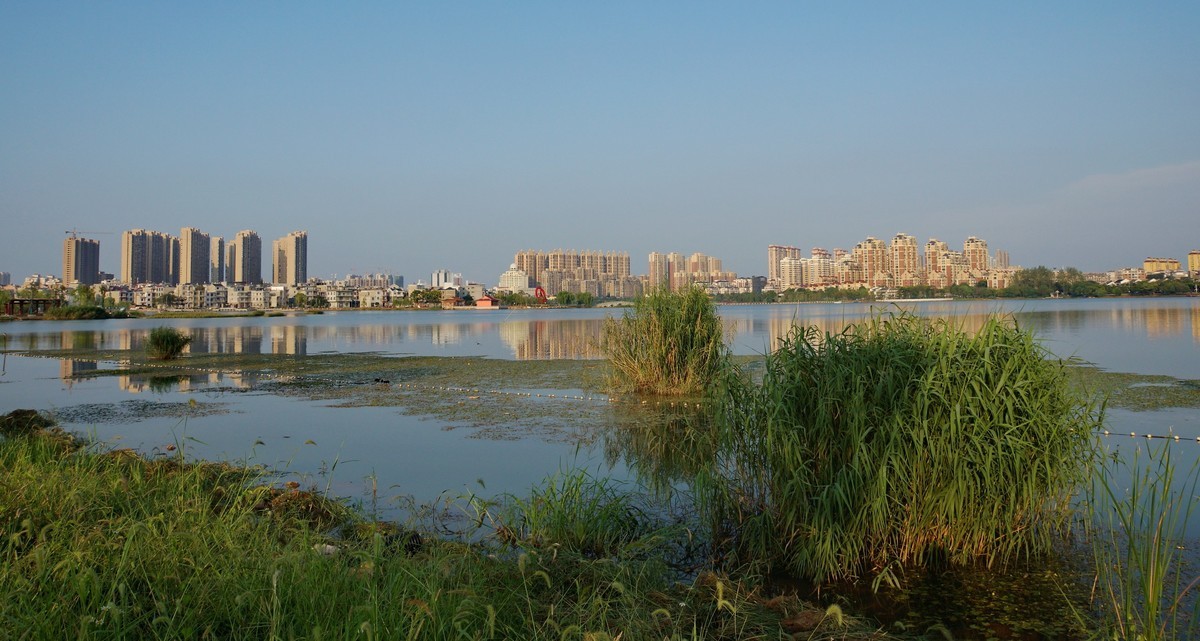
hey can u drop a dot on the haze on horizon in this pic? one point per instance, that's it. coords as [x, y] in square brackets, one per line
[412, 137]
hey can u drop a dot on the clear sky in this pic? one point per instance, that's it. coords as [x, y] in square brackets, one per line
[408, 137]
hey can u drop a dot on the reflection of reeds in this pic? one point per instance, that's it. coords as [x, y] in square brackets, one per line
[1137, 538]
[900, 440]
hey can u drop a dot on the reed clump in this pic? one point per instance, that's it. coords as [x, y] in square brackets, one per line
[166, 343]
[672, 343]
[899, 441]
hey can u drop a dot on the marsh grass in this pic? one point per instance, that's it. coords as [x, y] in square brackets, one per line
[899, 441]
[110, 545]
[671, 343]
[166, 343]
[1138, 537]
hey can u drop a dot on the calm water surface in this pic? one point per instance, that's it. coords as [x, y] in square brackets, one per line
[423, 457]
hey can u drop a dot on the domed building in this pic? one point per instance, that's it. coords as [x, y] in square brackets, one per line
[514, 280]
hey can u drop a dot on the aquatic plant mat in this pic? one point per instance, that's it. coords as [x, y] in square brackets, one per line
[110, 545]
[498, 398]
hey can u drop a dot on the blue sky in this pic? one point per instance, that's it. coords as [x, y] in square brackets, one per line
[409, 137]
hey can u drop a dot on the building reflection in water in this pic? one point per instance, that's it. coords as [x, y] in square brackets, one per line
[553, 339]
[289, 339]
[579, 338]
[138, 383]
[69, 368]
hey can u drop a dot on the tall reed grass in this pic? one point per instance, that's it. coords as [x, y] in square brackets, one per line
[166, 343]
[671, 344]
[1145, 581]
[898, 441]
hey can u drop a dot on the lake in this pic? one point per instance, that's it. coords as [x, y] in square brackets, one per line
[405, 452]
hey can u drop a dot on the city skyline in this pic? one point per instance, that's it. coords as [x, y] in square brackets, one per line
[1049, 130]
[157, 257]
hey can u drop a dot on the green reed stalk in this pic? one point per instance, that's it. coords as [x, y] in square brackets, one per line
[1137, 536]
[671, 344]
[897, 441]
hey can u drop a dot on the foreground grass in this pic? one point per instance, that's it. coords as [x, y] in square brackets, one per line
[110, 545]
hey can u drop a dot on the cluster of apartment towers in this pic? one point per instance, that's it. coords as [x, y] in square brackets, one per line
[195, 258]
[606, 273]
[875, 263]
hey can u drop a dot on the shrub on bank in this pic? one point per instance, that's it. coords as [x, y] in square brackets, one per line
[83, 312]
[671, 344]
[901, 440]
[166, 343]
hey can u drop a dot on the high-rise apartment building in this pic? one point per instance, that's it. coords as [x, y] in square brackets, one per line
[444, 278]
[904, 257]
[194, 264]
[81, 261]
[820, 268]
[290, 259]
[898, 264]
[135, 256]
[1193, 262]
[975, 250]
[1001, 260]
[244, 258]
[776, 253]
[216, 260]
[934, 250]
[607, 273]
[1155, 265]
[791, 272]
[660, 270]
[173, 252]
[5, 279]
[533, 263]
[514, 280]
[676, 271]
[872, 255]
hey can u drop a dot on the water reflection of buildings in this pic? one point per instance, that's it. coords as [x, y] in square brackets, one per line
[138, 383]
[69, 368]
[555, 339]
[226, 340]
[1164, 322]
[289, 339]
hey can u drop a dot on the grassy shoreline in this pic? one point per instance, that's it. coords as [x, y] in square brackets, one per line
[103, 544]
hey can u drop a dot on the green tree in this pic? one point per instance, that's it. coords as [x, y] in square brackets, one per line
[1036, 282]
[301, 299]
[83, 295]
[427, 296]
